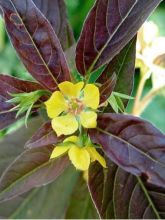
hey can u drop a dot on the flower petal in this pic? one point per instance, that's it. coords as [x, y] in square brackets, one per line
[79, 157]
[91, 96]
[66, 124]
[73, 139]
[71, 90]
[96, 156]
[88, 119]
[58, 151]
[56, 104]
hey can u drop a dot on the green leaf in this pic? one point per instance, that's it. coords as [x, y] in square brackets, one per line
[81, 205]
[48, 207]
[123, 65]
[20, 110]
[25, 102]
[123, 96]
[49, 201]
[113, 103]
[12, 85]
[96, 74]
[120, 104]
[28, 114]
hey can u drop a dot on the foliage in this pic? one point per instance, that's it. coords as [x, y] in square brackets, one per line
[133, 148]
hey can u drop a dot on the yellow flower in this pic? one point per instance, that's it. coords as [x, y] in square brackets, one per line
[81, 157]
[72, 106]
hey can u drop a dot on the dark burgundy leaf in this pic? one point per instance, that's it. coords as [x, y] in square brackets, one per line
[133, 144]
[107, 88]
[43, 137]
[124, 67]
[7, 119]
[55, 12]
[4, 106]
[120, 195]
[10, 148]
[61, 188]
[101, 190]
[36, 42]
[33, 168]
[109, 27]
[127, 186]
[12, 145]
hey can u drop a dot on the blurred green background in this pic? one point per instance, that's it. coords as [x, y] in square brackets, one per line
[77, 11]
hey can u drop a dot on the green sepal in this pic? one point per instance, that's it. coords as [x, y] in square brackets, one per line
[25, 102]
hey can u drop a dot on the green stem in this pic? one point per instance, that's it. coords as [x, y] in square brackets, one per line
[148, 197]
[147, 99]
[138, 96]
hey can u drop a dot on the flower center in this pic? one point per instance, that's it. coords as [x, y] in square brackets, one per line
[75, 106]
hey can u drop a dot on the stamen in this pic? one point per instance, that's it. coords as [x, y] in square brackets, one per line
[75, 106]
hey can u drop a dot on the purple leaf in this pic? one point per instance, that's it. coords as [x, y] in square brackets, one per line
[109, 27]
[133, 144]
[12, 145]
[120, 195]
[36, 42]
[55, 12]
[19, 207]
[97, 187]
[43, 137]
[7, 119]
[107, 88]
[33, 168]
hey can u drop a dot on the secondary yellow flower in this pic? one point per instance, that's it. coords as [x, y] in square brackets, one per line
[81, 157]
[74, 104]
